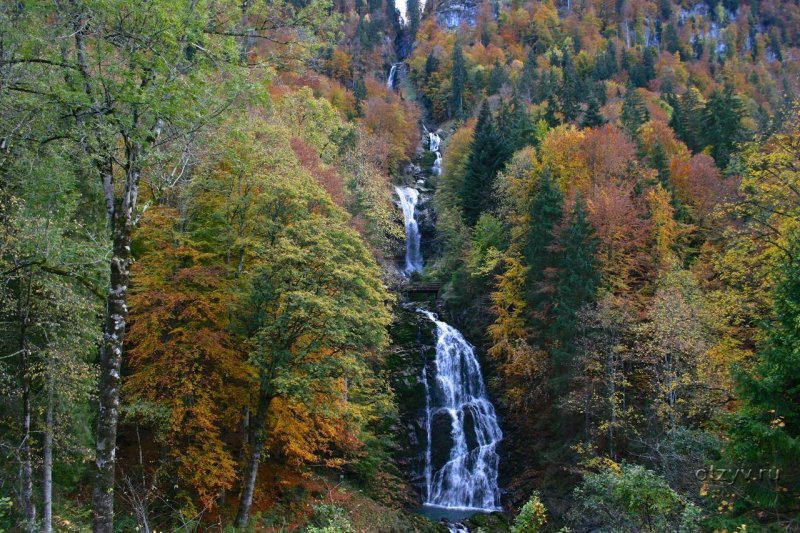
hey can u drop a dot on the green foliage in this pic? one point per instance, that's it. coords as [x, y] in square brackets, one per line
[329, 519]
[532, 518]
[458, 80]
[578, 279]
[722, 124]
[546, 212]
[633, 499]
[488, 154]
[634, 112]
[765, 432]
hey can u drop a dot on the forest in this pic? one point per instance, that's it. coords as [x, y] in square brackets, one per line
[336, 266]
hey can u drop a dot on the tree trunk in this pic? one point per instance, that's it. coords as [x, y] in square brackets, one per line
[111, 359]
[251, 470]
[26, 467]
[47, 453]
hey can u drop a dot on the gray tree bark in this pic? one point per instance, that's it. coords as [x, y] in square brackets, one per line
[111, 351]
[254, 461]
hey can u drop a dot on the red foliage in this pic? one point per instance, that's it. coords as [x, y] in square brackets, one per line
[331, 181]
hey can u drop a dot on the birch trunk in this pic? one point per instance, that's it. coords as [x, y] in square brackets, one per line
[26, 465]
[47, 453]
[254, 461]
[111, 351]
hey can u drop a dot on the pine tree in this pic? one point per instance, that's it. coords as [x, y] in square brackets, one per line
[634, 112]
[413, 14]
[515, 120]
[497, 77]
[766, 431]
[546, 212]
[592, 117]
[606, 63]
[722, 124]
[687, 116]
[530, 76]
[569, 89]
[578, 279]
[360, 94]
[489, 152]
[458, 79]
[550, 112]
[431, 66]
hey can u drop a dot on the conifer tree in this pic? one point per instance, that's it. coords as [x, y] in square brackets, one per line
[497, 77]
[592, 117]
[569, 89]
[634, 112]
[413, 13]
[722, 124]
[489, 152]
[550, 112]
[458, 79]
[578, 279]
[516, 122]
[530, 76]
[766, 431]
[687, 116]
[546, 212]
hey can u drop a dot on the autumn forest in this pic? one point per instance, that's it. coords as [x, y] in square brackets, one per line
[336, 266]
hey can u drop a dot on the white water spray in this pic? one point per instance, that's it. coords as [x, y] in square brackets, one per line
[468, 479]
[409, 197]
[456, 399]
[390, 79]
[434, 141]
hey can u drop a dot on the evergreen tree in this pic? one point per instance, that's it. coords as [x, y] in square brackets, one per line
[486, 36]
[488, 153]
[569, 89]
[413, 14]
[360, 94]
[516, 122]
[431, 66]
[687, 115]
[550, 112]
[458, 79]
[671, 39]
[722, 124]
[546, 212]
[530, 76]
[606, 63]
[592, 117]
[497, 77]
[578, 279]
[634, 112]
[766, 431]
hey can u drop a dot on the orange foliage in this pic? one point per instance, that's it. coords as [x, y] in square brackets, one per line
[607, 151]
[183, 357]
[331, 181]
[619, 219]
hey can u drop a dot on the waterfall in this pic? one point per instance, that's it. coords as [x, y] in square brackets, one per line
[462, 432]
[467, 478]
[390, 79]
[433, 144]
[408, 203]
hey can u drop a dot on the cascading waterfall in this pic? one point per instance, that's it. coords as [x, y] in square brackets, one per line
[390, 79]
[409, 197]
[459, 416]
[468, 478]
[433, 144]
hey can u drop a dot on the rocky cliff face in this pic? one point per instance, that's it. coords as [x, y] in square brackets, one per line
[453, 13]
[413, 351]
